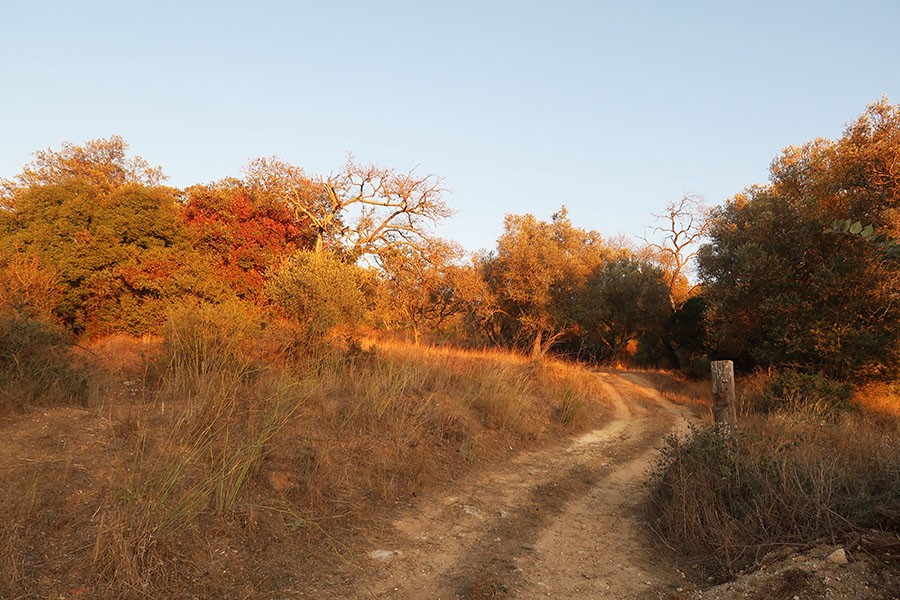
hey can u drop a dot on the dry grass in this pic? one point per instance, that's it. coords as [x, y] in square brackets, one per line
[880, 398]
[228, 450]
[724, 498]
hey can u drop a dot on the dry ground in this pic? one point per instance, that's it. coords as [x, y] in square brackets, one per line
[559, 522]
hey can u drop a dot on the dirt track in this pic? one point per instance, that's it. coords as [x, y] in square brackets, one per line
[558, 523]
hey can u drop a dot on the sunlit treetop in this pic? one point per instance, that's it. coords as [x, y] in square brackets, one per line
[103, 163]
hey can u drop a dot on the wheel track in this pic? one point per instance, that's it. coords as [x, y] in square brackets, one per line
[552, 523]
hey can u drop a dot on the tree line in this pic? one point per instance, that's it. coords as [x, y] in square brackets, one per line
[92, 241]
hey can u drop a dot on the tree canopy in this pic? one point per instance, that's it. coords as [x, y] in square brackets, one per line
[783, 292]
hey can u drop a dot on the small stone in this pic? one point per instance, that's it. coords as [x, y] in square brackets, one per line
[838, 557]
[383, 554]
[279, 481]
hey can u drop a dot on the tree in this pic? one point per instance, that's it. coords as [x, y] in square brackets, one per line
[111, 236]
[683, 224]
[120, 258]
[362, 211]
[245, 232]
[102, 163]
[625, 299]
[782, 292]
[887, 244]
[418, 289]
[534, 276]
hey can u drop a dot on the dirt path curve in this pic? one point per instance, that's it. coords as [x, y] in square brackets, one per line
[557, 523]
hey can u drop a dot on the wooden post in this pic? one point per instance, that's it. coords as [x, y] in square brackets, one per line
[724, 412]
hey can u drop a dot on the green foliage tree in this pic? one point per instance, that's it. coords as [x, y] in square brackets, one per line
[780, 291]
[624, 299]
[319, 291]
[533, 278]
[115, 244]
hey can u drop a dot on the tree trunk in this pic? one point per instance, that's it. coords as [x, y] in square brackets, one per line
[318, 247]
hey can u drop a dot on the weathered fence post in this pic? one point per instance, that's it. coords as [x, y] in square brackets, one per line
[724, 412]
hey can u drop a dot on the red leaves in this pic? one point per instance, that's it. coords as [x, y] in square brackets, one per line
[245, 234]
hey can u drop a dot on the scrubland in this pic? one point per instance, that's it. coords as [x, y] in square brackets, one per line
[810, 460]
[224, 460]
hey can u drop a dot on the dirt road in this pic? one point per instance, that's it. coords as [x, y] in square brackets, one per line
[557, 523]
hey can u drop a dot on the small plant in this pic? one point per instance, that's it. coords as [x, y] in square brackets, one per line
[792, 390]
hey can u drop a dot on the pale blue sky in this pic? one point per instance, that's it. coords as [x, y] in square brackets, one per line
[612, 108]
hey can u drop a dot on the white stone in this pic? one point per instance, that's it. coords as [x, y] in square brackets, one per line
[838, 557]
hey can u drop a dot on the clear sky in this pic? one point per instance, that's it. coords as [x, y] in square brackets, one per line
[612, 108]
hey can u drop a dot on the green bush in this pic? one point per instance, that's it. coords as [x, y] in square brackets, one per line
[319, 291]
[792, 390]
[37, 366]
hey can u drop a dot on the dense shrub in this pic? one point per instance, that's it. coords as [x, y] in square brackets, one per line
[319, 291]
[723, 498]
[793, 390]
[36, 365]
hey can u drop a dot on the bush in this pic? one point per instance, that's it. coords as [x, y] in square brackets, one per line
[723, 498]
[319, 291]
[36, 365]
[792, 390]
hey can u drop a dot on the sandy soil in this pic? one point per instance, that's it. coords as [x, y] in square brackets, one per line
[556, 523]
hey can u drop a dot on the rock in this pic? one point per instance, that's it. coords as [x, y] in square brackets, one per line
[279, 481]
[383, 554]
[838, 557]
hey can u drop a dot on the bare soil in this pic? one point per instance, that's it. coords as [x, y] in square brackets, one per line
[560, 522]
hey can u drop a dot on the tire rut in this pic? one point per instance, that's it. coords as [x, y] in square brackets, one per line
[542, 526]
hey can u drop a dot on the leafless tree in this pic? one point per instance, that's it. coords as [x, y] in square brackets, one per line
[683, 224]
[363, 210]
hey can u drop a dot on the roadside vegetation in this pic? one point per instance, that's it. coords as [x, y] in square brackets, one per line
[244, 372]
[805, 463]
[816, 454]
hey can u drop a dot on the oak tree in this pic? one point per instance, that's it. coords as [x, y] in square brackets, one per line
[781, 291]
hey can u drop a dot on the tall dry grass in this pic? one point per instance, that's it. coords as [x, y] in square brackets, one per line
[233, 437]
[194, 451]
